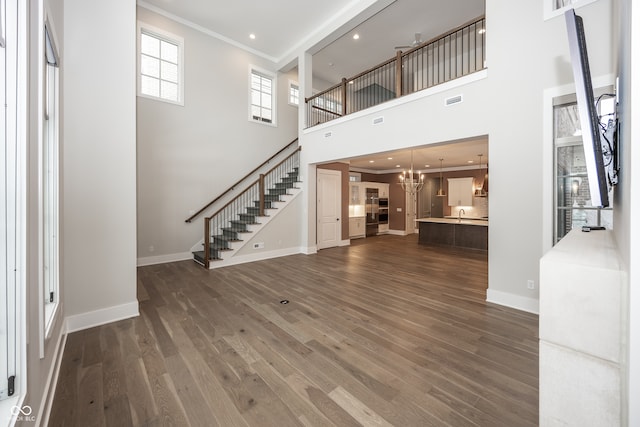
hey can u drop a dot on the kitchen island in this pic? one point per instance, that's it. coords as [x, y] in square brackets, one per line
[463, 233]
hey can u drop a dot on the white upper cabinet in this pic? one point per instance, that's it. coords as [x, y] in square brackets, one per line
[461, 191]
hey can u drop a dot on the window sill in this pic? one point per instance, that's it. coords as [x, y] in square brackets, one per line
[7, 411]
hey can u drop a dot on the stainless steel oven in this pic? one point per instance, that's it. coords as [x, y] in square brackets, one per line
[383, 210]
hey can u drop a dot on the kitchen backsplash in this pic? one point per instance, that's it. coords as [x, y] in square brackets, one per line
[479, 209]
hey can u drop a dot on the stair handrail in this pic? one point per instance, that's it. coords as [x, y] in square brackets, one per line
[260, 180]
[232, 187]
[261, 191]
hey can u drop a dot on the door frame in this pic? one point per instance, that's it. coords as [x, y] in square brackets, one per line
[333, 174]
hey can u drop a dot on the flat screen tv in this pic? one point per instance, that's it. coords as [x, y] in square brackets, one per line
[592, 138]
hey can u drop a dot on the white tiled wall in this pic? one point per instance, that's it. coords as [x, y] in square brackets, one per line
[479, 209]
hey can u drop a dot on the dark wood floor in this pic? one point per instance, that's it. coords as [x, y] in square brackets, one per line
[384, 332]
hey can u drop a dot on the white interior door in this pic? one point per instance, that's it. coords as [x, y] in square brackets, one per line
[329, 208]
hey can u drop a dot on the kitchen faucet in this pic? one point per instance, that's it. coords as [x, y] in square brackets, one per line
[460, 212]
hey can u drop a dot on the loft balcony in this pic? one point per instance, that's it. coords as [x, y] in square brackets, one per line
[455, 54]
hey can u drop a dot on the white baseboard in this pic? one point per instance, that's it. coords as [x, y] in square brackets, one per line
[161, 259]
[309, 250]
[397, 232]
[52, 381]
[518, 302]
[259, 256]
[88, 320]
[344, 242]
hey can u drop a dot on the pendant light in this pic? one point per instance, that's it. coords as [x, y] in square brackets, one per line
[441, 192]
[481, 191]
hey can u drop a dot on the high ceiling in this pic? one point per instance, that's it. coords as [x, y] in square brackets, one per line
[326, 28]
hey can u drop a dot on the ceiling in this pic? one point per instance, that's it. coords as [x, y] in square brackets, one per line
[395, 25]
[285, 26]
[454, 155]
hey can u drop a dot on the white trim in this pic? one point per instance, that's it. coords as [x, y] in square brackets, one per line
[397, 232]
[296, 84]
[204, 30]
[346, 242]
[168, 37]
[531, 305]
[259, 256]
[309, 250]
[274, 94]
[550, 12]
[103, 316]
[52, 381]
[162, 259]
[462, 81]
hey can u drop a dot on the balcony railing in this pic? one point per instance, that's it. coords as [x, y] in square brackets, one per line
[447, 57]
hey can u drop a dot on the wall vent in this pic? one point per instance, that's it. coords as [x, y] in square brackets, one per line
[378, 120]
[327, 135]
[453, 100]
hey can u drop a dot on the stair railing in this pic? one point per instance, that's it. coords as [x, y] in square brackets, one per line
[254, 196]
[232, 187]
[452, 55]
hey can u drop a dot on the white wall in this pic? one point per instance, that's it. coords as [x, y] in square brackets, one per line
[188, 155]
[525, 55]
[627, 232]
[99, 160]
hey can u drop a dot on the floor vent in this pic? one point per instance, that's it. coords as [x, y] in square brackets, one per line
[453, 100]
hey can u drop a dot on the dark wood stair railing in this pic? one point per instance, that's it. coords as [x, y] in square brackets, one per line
[232, 187]
[258, 186]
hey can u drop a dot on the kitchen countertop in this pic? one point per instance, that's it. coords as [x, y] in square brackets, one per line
[481, 222]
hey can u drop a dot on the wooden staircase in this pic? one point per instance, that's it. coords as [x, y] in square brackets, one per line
[231, 227]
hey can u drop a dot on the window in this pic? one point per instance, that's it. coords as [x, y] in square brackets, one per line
[294, 93]
[13, 94]
[553, 8]
[160, 65]
[50, 180]
[572, 198]
[262, 96]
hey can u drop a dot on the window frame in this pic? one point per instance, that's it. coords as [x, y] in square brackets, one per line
[15, 34]
[274, 98]
[169, 38]
[50, 183]
[550, 10]
[570, 141]
[293, 85]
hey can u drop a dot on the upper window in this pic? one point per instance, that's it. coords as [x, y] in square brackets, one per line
[160, 65]
[262, 96]
[572, 198]
[294, 93]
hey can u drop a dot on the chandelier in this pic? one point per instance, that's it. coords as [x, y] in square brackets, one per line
[409, 182]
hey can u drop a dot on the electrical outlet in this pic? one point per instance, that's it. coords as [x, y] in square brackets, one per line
[258, 245]
[531, 284]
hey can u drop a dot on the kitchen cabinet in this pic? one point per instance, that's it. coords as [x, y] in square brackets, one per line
[357, 227]
[383, 190]
[356, 194]
[460, 191]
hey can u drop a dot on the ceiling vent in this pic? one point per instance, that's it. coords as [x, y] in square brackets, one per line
[453, 100]
[327, 135]
[378, 120]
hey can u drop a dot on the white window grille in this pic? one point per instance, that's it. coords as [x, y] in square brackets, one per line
[160, 65]
[262, 95]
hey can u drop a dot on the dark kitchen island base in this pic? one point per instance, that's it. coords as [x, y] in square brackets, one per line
[463, 235]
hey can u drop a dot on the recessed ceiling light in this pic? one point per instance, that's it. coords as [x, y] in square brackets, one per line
[389, 158]
[330, 64]
[397, 166]
[371, 161]
[356, 36]
[469, 161]
[252, 36]
[427, 166]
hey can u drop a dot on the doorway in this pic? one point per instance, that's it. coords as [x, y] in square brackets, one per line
[329, 192]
